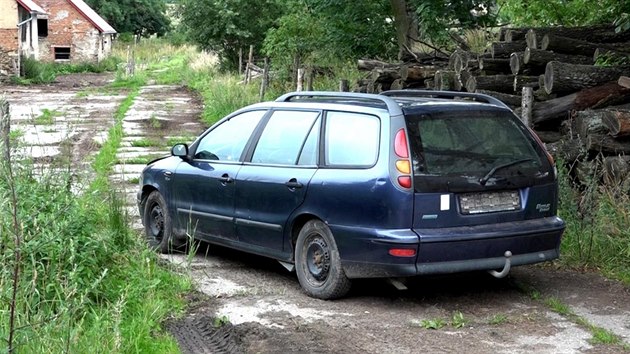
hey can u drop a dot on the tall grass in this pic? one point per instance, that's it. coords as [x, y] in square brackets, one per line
[598, 218]
[85, 282]
[37, 72]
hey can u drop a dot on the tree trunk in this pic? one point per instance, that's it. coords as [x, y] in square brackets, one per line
[386, 75]
[521, 81]
[510, 100]
[369, 65]
[540, 58]
[616, 169]
[515, 34]
[594, 34]
[504, 49]
[616, 121]
[533, 38]
[406, 22]
[495, 65]
[594, 97]
[590, 122]
[516, 62]
[568, 45]
[500, 83]
[624, 81]
[416, 72]
[564, 77]
[444, 80]
[606, 144]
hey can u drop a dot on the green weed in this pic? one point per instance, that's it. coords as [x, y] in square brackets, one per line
[147, 142]
[47, 117]
[458, 320]
[498, 319]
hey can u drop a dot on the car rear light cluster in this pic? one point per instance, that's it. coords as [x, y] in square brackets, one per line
[403, 165]
[542, 145]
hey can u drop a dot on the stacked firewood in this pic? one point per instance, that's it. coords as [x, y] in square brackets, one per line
[572, 83]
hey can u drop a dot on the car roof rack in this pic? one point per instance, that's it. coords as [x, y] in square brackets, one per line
[444, 94]
[339, 97]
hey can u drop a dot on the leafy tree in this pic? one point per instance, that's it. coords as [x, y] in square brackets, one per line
[225, 26]
[562, 12]
[141, 17]
[437, 17]
[321, 31]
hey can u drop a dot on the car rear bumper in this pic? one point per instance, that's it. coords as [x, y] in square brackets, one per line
[451, 250]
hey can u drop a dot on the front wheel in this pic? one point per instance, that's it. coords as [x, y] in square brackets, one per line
[317, 262]
[158, 227]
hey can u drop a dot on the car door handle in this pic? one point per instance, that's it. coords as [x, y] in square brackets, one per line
[226, 179]
[293, 183]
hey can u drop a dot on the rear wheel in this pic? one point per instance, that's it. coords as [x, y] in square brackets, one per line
[317, 262]
[158, 227]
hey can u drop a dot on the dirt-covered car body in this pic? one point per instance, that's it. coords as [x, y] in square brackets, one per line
[357, 185]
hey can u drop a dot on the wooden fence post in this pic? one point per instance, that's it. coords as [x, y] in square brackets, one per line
[5, 129]
[265, 80]
[300, 80]
[240, 61]
[344, 86]
[250, 61]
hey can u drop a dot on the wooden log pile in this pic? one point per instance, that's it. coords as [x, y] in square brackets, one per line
[580, 77]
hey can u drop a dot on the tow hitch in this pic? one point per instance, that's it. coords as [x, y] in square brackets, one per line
[506, 267]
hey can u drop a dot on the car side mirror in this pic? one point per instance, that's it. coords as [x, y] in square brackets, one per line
[180, 150]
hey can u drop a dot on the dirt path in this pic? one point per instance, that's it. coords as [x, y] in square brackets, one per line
[266, 310]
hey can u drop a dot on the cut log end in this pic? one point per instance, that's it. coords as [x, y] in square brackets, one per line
[515, 62]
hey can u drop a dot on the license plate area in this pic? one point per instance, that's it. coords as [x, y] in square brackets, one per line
[489, 202]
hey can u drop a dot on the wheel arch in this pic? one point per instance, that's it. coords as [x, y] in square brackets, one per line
[297, 225]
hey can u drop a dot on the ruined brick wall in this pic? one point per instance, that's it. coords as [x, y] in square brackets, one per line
[68, 28]
[9, 64]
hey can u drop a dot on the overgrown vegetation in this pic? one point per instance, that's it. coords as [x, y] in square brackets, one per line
[36, 72]
[597, 217]
[74, 277]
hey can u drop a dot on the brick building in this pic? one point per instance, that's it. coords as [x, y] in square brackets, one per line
[51, 30]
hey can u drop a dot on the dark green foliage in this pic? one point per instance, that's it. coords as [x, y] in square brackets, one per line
[436, 17]
[562, 12]
[230, 25]
[141, 17]
[320, 31]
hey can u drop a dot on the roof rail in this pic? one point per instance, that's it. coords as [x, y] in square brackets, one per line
[392, 106]
[444, 94]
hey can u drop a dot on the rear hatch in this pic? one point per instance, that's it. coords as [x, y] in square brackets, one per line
[478, 173]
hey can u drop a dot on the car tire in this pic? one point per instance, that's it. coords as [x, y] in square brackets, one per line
[318, 264]
[158, 227]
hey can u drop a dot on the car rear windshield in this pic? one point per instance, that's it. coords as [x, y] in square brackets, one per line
[472, 144]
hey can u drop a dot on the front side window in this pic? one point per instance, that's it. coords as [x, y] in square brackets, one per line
[352, 139]
[283, 140]
[227, 141]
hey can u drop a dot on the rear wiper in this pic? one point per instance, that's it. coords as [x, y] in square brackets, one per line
[485, 178]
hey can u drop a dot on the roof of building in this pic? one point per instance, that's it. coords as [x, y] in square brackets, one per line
[31, 6]
[91, 15]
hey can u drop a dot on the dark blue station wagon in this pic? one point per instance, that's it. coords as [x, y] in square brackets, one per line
[341, 186]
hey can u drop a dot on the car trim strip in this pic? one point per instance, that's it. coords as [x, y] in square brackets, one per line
[265, 225]
[207, 215]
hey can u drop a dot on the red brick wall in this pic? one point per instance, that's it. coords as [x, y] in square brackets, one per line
[68, 28]
[9, 39]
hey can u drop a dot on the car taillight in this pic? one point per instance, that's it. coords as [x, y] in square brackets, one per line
[400, 144]
[403, 165]
[402, 252]
[542, 145]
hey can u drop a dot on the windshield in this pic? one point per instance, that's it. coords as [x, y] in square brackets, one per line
[479, 144]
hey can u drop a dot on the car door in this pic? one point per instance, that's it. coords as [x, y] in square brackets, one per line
[203, 188]
[275, 180]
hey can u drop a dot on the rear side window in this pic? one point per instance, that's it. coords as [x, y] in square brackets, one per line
[469, 143]
[352, 139]
[227, 141]
[283, 139]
